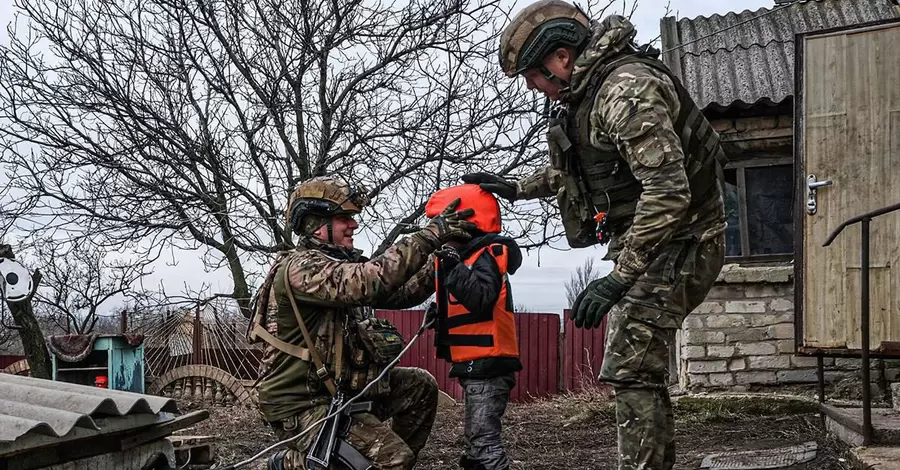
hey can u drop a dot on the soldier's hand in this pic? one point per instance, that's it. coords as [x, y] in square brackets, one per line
[493, 184]
[597, 299]
[452, 224]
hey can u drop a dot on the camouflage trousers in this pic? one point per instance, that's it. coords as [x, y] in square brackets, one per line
[636, 361]
[486, 401]
[411, 406]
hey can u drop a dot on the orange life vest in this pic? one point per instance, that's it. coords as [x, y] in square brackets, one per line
[477, 335]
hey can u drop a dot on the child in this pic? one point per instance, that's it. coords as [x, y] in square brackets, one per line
[476, 330]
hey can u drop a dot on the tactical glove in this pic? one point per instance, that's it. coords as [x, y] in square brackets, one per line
[452, 224]
[597, 299]
[493, 184]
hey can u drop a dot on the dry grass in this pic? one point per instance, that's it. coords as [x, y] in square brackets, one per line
[577, 431]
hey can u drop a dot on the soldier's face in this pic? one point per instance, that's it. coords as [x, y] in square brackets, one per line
[342, 228]
[560, 64]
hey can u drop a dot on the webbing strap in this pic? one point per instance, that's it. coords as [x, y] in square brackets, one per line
[322, 371]
[287, 348]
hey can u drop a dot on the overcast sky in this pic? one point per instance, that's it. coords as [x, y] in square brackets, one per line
[539, 284]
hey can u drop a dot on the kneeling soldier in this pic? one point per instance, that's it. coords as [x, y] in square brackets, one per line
[314, 311]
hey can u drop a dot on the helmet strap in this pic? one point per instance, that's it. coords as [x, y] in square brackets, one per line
[551, 76]
[330, 229]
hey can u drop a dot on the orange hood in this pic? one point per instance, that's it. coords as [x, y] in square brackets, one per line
[487, 209]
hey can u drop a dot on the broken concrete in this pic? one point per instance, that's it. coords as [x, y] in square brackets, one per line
[846, 425]
[876, 458]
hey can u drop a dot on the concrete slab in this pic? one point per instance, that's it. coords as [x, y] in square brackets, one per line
[846, 424]
[876, 458]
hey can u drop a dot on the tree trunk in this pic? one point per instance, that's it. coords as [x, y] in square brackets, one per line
[30, 331]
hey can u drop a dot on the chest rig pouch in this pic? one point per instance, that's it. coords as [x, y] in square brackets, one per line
[374, 343]
[575, 205]
[380, 339]
[347, 352]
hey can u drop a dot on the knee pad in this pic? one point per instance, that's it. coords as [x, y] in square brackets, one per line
[286, 459]
[276, 460]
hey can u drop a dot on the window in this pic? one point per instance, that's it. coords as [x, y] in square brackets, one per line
[759, 210]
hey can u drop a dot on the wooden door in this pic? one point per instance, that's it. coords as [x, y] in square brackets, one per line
[850, 134]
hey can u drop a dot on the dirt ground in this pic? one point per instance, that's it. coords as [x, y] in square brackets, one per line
[578, 432]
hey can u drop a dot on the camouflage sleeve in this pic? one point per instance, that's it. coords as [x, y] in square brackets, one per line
[319, 279]
[542, 183]
[415, 292]
[636, 107]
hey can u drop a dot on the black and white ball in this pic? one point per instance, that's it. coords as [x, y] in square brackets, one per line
[15, 280]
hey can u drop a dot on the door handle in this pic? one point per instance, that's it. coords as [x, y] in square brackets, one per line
[813, 185]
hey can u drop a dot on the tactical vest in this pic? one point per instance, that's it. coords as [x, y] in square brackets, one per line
[598, 179]
[348, 349]
[466, 336]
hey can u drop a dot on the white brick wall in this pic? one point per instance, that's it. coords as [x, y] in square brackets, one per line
[743, 335]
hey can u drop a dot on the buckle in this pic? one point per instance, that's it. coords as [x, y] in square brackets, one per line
[322, 372]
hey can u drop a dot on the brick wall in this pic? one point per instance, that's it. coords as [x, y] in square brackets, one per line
[743, 335]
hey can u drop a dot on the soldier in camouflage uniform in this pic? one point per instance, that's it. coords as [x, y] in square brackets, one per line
[633, 163]
[324, 290]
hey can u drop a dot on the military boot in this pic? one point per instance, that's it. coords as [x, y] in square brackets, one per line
[466, 464]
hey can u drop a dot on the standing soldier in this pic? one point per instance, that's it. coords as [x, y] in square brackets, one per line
[633, 163]
[314, 313]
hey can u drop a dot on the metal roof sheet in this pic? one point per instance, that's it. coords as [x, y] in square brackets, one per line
[31, 405]
[748, 58]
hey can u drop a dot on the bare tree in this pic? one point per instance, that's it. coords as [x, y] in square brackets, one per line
[579, 280]
[27, 326]
[153, 124]
[183, 123]
[82, 280]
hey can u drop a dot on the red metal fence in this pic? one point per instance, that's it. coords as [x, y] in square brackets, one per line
[552, 361]
[8, 360]
[583, 352]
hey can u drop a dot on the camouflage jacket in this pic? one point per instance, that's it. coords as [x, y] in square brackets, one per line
[633, 113]
[329, 283]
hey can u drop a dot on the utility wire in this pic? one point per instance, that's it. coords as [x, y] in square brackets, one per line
[749, 20]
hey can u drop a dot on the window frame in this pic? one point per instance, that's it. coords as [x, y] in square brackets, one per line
[740, 167]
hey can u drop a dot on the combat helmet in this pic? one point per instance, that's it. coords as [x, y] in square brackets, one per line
[323, 197]
[538, 30]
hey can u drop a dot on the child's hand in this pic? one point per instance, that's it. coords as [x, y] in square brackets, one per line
[448, 255]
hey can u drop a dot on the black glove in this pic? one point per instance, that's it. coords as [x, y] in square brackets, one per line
[452, 224]
[431, 316]
[493, 184]
[448, 255]
[597, 299]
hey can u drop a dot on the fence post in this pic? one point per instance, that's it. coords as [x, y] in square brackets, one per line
[198, 338]
[123, 322]
[561, 362]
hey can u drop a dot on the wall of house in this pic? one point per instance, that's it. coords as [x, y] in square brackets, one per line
[746, 137]
[743, 336]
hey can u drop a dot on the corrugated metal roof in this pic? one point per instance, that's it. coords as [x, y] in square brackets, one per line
[30, 405]
[752, 60]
